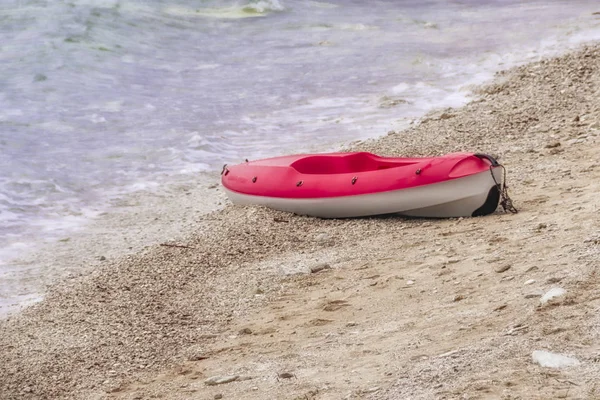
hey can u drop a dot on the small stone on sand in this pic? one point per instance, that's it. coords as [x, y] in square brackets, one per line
[219, 380]
[553, 360]
[319, 268]
[502, 268]
[552, 294]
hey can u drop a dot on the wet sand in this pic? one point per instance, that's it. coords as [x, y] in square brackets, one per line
[410, 308]
[132, 224]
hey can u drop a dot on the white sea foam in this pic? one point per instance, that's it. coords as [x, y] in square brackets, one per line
[206, 66]
[400, 88]
[322, 4]
[263, 6]
[251, 9]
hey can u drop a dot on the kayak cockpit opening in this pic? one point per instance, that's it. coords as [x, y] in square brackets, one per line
[345, 164]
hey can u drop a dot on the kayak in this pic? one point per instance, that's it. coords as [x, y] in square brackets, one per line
[359, 184]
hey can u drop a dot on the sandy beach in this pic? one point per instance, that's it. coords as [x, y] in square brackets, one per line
[407, 308]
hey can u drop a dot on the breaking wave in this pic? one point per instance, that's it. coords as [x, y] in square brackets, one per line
[237, 10]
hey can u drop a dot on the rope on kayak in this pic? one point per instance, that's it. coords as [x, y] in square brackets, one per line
[224, 171]
[505, 200]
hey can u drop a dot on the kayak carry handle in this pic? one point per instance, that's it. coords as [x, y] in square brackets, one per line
[491, 159]
[501, 187]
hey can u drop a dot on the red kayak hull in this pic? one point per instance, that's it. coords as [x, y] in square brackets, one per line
[357, 184]
[345, 174]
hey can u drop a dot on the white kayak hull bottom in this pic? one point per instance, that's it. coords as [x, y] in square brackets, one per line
[468, 196]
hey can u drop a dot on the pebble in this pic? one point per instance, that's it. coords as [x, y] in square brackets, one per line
[218, 396]
[372, 390]
[515, 329]
[530, 282]
[532, 295]
[449, 353]
[322, 237]
[219, 380]
[553, 360]
[410, 283]
[502, 268]
[552, 294]
[319, 267]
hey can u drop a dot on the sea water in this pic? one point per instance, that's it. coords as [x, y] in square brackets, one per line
[102, 98]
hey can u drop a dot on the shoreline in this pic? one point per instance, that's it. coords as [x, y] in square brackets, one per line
[126, 228]
[240, 300]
